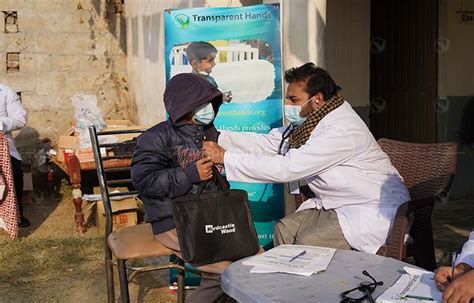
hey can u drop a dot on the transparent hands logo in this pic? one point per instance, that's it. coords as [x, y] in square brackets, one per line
[181, 21]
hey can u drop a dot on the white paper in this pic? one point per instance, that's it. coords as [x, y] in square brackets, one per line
[294, 187]
[315, 259]
[414, 286]
[98, 197]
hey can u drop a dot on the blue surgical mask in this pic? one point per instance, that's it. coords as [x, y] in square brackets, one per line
[292, 114]
[204, 114]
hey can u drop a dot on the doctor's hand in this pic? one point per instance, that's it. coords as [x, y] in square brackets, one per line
[443, 274]
[461, 289]
[214, 151]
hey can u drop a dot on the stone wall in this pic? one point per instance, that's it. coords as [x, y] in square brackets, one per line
[55, 49]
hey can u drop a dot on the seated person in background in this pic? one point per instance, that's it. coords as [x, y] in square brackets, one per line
[459, 288]
[168, 163]
[356, 189]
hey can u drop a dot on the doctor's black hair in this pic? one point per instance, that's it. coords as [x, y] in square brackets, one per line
[199, 50]
[316, 79]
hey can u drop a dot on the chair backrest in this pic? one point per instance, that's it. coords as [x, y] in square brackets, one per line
[427, 169]
[113, 170]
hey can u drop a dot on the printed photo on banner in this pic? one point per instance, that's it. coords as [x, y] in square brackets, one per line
[242, 69]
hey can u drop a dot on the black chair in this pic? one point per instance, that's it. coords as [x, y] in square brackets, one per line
[131, 242]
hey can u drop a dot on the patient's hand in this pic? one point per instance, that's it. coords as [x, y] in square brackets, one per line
[214, 151]
[204, 168]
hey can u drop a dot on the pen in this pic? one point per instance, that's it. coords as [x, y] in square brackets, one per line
[419, 298]
[298, 255]
[453, 263]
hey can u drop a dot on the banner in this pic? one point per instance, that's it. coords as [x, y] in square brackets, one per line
[247, 69]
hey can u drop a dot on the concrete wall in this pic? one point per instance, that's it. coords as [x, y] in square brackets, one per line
[456, 89]
[65, 46]
[456, 51]
[303, 32]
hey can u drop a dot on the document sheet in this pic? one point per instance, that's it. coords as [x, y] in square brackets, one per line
[413, 286]
[293, 259]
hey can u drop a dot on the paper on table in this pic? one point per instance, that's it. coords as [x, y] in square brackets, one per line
[278, 260]
[414, 286]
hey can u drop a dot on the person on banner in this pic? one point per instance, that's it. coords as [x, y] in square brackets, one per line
[168, 163]
[201, 56]
[13, 117]
[356, 191]
[459, 288]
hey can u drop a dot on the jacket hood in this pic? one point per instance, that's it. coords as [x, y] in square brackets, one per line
[186, 92]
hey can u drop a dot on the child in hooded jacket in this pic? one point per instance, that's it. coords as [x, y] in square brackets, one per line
[168, 162]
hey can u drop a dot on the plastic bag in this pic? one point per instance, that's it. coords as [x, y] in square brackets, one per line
[86, 112]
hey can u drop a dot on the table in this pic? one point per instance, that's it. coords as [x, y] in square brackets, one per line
[73, 169]
[344, 272]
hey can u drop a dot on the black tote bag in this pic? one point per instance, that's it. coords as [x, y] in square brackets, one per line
[215, 226]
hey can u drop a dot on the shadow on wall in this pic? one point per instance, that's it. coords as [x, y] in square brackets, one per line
[27, 141]
[151, 26]
[112, 12]
[45, 197]
[299, 26]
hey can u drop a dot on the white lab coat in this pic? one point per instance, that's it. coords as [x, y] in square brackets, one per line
[343, 166]
[467, 254]
[12, 116]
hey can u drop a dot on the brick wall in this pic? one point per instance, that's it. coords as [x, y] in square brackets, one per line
[51, 49]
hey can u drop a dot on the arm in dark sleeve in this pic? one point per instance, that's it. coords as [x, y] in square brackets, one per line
[151, 174]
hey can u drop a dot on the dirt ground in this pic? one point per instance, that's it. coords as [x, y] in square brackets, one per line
[52, 263]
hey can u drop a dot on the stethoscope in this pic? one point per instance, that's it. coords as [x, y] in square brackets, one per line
[285, 136]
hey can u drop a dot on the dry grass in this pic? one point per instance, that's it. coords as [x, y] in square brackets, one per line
[52, 263]
[32, 268]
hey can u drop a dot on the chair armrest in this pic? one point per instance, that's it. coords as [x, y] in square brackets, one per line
[396, 246]
[415, 205]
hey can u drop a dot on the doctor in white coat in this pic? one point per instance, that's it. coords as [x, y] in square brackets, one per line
[356, 189]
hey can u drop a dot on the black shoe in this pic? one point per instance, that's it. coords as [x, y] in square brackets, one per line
[24, 222]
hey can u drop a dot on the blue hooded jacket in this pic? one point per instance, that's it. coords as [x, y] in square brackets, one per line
[163, 164]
